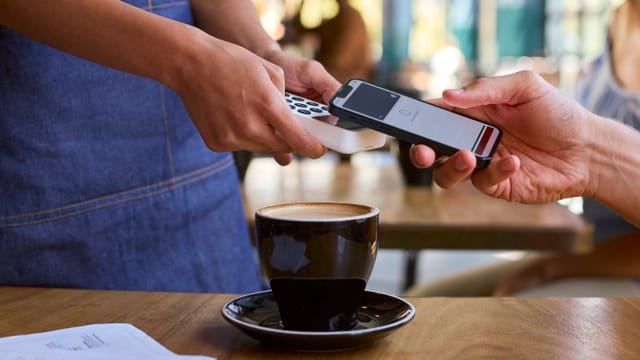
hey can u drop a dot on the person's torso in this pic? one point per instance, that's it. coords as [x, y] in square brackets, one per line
[105, 182]
[72, 130]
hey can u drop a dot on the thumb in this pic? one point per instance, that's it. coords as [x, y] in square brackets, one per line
[512, 89]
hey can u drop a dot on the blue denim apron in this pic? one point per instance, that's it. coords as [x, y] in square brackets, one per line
[105, 182]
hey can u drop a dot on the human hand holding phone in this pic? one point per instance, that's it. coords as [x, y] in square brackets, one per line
[415, 121]
[547, 150]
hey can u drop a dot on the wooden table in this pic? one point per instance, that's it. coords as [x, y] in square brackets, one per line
[444, 328]
[417, 217]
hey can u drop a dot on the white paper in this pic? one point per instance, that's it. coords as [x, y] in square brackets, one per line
[90, 342]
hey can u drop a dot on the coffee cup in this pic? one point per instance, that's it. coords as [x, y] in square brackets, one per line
[318, 257]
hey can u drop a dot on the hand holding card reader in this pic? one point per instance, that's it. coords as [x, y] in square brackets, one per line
[339, 135]
[414, 121]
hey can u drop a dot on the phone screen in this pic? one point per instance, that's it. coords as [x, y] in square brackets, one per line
[421, 118]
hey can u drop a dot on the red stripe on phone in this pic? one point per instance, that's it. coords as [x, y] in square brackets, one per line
[485, 139]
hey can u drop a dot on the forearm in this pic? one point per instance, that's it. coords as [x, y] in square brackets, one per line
[236, 21]
[107, 32]
[614, 168]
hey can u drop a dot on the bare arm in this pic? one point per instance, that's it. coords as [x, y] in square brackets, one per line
[237, 21]
[111, 33]
[220, 18]
[207, 72]
[551, 148]
[614, 167]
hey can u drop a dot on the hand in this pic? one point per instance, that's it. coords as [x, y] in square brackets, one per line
[236, 100]
[541, 155]
[305, 77]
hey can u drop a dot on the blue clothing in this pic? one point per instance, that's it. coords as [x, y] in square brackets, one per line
[599, 92]
[105, 182]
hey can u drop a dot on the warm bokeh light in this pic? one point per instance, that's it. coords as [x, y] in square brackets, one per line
[573, 30]
[271, 13]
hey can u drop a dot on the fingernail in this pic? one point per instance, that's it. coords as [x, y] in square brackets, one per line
[506, 165]
[461, 165]
[457, 91]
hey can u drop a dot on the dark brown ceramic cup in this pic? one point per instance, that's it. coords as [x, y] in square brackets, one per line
[318, 257]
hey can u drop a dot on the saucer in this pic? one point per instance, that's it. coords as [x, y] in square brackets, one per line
[257, 315]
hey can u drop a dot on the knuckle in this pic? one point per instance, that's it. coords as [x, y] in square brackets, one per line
[312, 65]
[248, 130]
[271, 105]
[309, 146]
[528, 76]
[482, 82]
[219, 143]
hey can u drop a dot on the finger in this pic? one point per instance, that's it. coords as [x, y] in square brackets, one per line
[276, 74]
[327, 87]
[314, 82]
[488, 179]
[286, 127]
[252, 136]
[422, 156]
[289, 129]
[474, 113]
[508, 89]
[283, 158]
[440, 102]
[257, 136]
[455, 169]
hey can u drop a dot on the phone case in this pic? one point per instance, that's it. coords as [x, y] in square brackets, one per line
[315, 117]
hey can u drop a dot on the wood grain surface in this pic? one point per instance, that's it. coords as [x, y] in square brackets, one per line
[444, 328]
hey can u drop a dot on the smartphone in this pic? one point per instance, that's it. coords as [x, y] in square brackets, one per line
[414, 120]
[340, 135]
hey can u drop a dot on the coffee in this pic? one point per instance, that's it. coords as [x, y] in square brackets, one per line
[316, 211]
[318, 257]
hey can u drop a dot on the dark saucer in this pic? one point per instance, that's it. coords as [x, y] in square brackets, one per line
[257, 315]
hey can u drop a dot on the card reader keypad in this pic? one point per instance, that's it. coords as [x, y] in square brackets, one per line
[305, 107]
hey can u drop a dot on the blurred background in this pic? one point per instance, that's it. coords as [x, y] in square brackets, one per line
[421, 47]
[425, 46]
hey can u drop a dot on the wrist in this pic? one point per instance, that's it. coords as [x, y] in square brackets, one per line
[606, 151]
[190, 50]
[270, 51]
[614, 166]
[597, 145]
[273, 54]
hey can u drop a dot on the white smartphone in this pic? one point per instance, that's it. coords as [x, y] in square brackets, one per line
[336, 134]
[414, 121]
